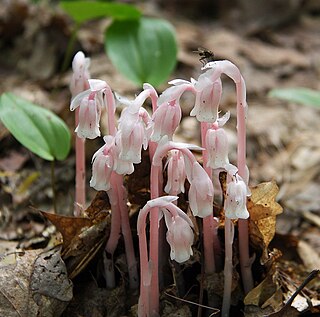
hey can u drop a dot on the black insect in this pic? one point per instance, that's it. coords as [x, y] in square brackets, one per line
[206, 55]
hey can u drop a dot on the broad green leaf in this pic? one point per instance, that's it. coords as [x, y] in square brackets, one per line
[144, 50]
[82, 11]
[36, 128]
[303, 96]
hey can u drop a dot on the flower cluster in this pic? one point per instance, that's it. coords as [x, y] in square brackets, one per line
[137, 130]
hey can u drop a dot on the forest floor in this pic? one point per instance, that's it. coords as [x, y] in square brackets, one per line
[283, 145]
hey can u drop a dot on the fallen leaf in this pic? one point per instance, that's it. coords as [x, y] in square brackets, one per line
[83, 247]
[34, 283]
[263, 210]
[98, 204]
[264, 291]
[69, 227]
[82, 237]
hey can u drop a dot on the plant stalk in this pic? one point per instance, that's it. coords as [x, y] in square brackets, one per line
[53, 186]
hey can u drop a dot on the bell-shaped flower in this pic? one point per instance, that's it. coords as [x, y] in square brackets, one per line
[200, 192]
[208, 96]
[90, 101]
[165, 120]
[168, 114]
[133, 134]
[134, 126]
[179, 236]
[176, 173]
[102, 165]
[217, 146]
[89, 117]
[235, 204]
[122, 167]
[80, 76]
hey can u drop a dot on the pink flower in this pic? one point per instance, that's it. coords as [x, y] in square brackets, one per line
[90, 102]
[89, 117]
[166, 120]
[168, 114]
[200, 192]
[179, 236]
[122, 167]
[102, 165]
[80, 76]
[176, 173]
[208, 96]
[133, 134]
[217, 144]
[235, 205]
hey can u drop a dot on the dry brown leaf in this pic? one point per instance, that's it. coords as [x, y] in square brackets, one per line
[262, 202]
[34, 283]
[83, 248]
[69, 227]
[98, 204]
[263, 210]
[263, 292]
[83, 238]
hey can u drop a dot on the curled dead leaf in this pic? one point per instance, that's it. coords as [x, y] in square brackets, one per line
[83, 237]
[263, 210]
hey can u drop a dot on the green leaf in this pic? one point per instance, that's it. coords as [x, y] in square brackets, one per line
[303, 96]
[144, 50]
[82, 11]
[36, 128]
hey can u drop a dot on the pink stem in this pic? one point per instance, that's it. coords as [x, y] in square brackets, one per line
[143, 305]
[228, 267]
[111, 104]
[209, 234]
[245, 262]
[114, 231]
[127, 235]
[154, 241]
[153, 145]
[80, 194]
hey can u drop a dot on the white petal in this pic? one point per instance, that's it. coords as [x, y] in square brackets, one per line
[97, 84]
[75, 102]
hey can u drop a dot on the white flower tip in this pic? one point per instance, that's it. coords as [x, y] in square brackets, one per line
[97, 84]
[161, 201]
[78, 61]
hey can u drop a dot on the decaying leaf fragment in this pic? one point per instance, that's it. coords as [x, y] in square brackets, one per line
[267, 296]
[34, 284]
[263, 210]
[83, 237]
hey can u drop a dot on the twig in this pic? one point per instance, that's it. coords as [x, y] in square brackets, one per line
[215, 310]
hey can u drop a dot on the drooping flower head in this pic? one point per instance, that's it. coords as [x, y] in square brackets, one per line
[179, 235]
[208, 96]
[134, 128]
[235, 204]
[168, 114]
[91, 102]
[200, 192]
[176, 173]
[217, 144]
[103, 164]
